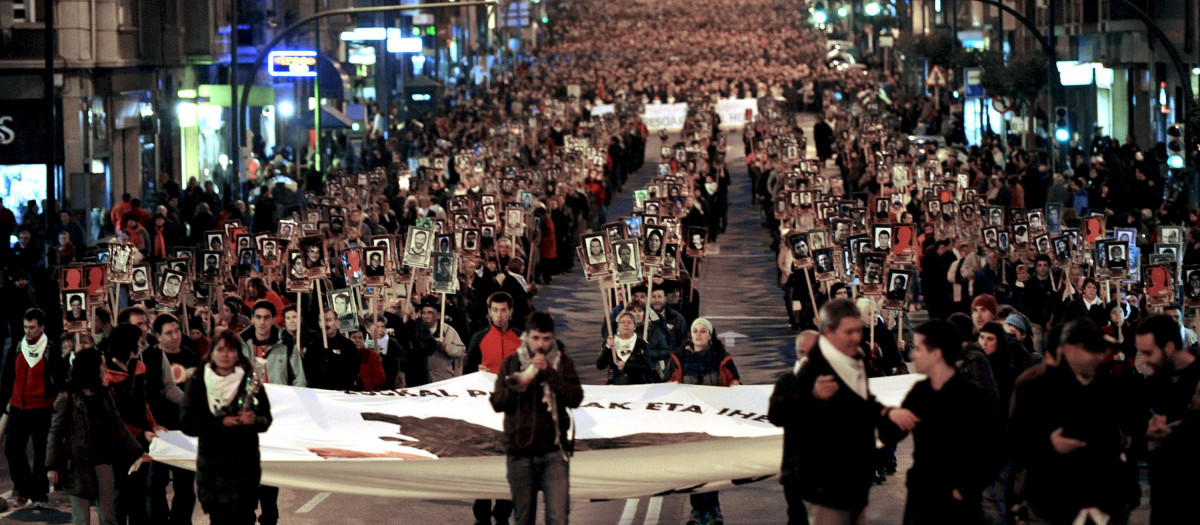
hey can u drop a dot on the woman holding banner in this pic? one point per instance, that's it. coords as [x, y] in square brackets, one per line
[703, 361]
[225, 409]
[624, 356]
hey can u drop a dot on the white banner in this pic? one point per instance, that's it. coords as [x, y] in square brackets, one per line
[733, 111]
[444, 441]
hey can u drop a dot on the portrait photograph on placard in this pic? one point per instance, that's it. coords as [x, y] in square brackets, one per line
[246, 261]
[418, 246]
[314, 251]
[872, 273]
[1062, 249]
[898, 282]
[1020, 234]
[444, 243]
[697, 238]
[1037, 222]
[1191, 286]
[1002, 242]
[1054, 211]
[75, 312]
[824, 265]
[445, 273]
[269, 252]
[801, 252]
[626, 263]
[214, 240]
[615, 231]
[344, 308]
[1042, 244]
[1116, 255]
[375, 270]
[1169, 250]
[842, 230]
[139, 286]
[170, 295]
[296, 273]
[595, 247]
[989, 237]
[652, 245]
[1170, 234]
[210, 270]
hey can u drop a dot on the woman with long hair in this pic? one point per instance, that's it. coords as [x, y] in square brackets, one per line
[87, 437]
[225, 409]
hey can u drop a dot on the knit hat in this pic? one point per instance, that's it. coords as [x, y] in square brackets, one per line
[704, 322]
[1017, 322]
[987, 302]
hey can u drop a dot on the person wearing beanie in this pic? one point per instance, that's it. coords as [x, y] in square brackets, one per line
[703, 361]
[984, 310]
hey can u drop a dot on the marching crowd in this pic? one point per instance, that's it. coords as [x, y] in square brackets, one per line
[1051, 369]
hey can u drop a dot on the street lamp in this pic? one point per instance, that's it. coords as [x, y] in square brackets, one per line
[286, 109]
[872, 9]
[819, 15]
[843, 11]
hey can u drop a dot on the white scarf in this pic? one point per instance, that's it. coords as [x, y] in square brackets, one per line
[34, 353]
[625, 347]
[222, 389]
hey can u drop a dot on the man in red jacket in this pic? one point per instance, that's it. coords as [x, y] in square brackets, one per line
[33, 375]
[486, 352]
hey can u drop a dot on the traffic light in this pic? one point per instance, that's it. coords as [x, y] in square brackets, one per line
[1175, 146]
[1062, 131]
[819, 15]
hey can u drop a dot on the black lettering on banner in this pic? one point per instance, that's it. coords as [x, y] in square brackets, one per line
[477, 393]
[653, 406]
[593, 404]
[623, 406]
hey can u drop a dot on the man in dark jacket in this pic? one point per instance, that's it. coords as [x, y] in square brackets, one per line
[957, 419]
[34, 372]
[181, 359]
[332, 364]
[534, 389]
[832, 469]
[1174, 429]
[823, 137]
[1067, 427]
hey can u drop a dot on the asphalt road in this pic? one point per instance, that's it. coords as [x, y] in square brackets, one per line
[740, 297]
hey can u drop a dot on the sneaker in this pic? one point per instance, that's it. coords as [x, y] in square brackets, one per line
[41, 505]
[697, 518]
[19, 501]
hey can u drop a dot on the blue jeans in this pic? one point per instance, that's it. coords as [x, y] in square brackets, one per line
[549, 473]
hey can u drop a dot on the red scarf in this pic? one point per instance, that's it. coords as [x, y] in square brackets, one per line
[160, 245]
[136, 238]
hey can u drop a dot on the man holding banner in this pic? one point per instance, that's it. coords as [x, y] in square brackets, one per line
[534, 389]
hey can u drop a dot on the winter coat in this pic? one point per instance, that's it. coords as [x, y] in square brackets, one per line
[69, 446]
[228, 467]
[284, 364]
[638, 369]
[719, 371]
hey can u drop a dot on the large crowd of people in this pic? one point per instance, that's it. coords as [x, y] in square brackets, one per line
[1056, 355]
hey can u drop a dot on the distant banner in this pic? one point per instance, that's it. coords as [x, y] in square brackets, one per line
[444, 441]
[733, 111]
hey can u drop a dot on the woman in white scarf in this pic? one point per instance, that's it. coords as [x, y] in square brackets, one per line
[220, 411]
[624, 355]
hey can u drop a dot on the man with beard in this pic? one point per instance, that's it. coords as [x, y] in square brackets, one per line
[1173, 377]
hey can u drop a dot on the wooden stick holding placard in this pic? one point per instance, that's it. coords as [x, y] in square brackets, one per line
[692, 281]
[442, 320]
[608, 308]
[811, 296]
[299, 313]
[649, 292]
[321, 313]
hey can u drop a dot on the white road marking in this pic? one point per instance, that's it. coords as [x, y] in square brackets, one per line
[652, 510]
[630, 511]
[312, 503]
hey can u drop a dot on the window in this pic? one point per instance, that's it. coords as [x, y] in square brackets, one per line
[24, 11]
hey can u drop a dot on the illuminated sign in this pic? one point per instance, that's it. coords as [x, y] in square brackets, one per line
[292, 63]
[421, 97]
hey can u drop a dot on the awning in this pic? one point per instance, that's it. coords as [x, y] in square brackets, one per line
[218, 94]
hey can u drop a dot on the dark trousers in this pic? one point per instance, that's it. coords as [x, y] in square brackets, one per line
[131, 495]
[234, 516]
[485, 512]
[548, 473]
[938, 507]
[705, 502]
[797, 512]
[268, 498]
[184, 502]
[23, 425]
